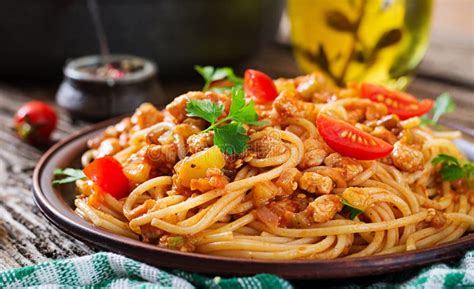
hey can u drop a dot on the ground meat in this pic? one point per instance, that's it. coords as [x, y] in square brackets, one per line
[357, 197]
[177, 108]
[384, 134]
[197, 122]
[390, 122]
[267, 146]
[288, 180]
[438, 220]
[153, 137]
[234, 162]
[365, 110]
[351, 167]
[118, 131]
[214, 179]
[375, 111]
[287, 105]
[315, 183]
[151, 234]
[263, 192]
[296, 130]
[324, 208]
[108, 147]
[200, 141]
[355, 115]
[333, 160]
[146, 115]
[336, 175]
[287, 212]
[314, 154]
[407, 158]
[186, 130]
[313, 158]
[162, 157]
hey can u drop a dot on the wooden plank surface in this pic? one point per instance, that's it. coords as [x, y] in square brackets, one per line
[26, 237]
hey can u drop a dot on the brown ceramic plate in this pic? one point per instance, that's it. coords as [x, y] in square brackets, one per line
[57, 206]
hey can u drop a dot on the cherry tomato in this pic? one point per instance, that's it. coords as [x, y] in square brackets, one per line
[400, 103]
[351, 141]
[259, 86]
[35, 121]
[221, 83]
[107, 173]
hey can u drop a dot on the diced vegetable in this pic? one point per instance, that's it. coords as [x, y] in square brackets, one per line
[351, 141]
[107, 173]
[195, 166]
[400, 103]
[259, 86]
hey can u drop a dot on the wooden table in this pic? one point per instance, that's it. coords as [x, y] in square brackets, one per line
[27, 238]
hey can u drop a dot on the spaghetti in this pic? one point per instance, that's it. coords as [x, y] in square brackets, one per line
[285, 196]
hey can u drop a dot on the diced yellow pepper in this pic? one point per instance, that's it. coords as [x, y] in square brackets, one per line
[309, 85]
[285, 84]
[137, 172]
[195, 166]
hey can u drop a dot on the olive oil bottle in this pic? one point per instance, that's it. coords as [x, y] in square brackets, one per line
[378, 41]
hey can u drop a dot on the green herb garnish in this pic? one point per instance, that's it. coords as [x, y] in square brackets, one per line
[444, 104]
[175, 242]
[229, 133]
[353, 211]
[67, 175]
[211, 74]
[452, 169]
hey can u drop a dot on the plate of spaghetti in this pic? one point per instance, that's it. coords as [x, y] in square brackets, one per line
[295, 177]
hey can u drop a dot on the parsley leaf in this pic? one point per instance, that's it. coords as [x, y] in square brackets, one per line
[444, 158]
[444, 104]
[204, 109]
[353, 211]
[231, 138]
[241, 112]
[67, 175]
[229, 133]
[452, 169]
[211, 74]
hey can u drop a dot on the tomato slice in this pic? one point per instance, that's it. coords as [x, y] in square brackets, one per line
[259, 86]
[107, 173]
[351, 141]
[400, 103]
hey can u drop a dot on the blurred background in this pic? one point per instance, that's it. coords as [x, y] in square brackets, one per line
[40, 37]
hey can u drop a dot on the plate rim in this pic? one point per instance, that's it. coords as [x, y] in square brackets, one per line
[295, 269]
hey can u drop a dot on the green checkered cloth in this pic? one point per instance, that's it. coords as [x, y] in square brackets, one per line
[107, 270]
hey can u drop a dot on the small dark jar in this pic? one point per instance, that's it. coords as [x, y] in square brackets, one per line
[95, 89]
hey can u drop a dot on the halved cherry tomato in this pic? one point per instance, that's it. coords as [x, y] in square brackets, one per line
[351, 141]
[107, 173]
[400, 103]
[259, 86]
[221, 83]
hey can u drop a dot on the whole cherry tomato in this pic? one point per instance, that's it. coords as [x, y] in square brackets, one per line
[35, 121]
